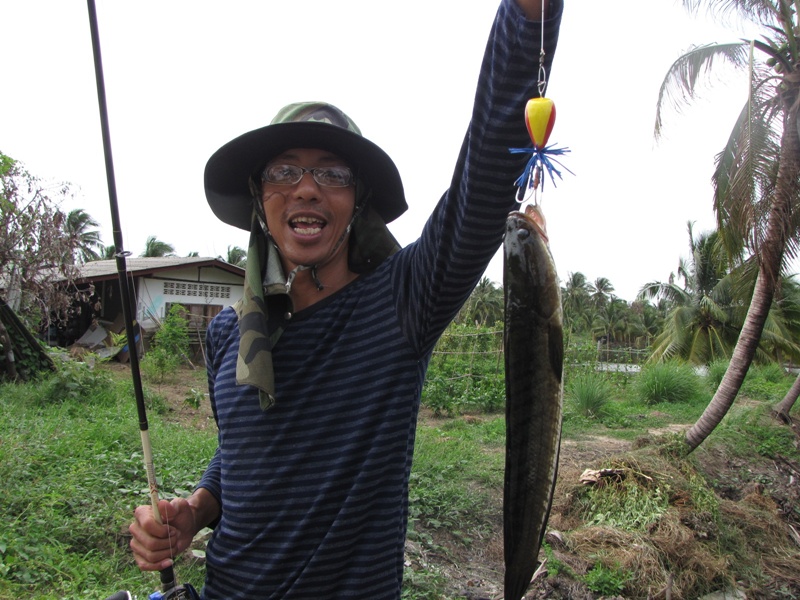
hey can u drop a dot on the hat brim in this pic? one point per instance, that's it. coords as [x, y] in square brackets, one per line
[229, 169]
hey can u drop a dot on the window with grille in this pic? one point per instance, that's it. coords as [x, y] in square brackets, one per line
[196, 290]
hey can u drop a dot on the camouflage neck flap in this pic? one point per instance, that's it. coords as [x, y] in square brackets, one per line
[257, 334]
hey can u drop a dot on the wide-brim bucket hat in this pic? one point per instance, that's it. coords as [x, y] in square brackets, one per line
[302, 125]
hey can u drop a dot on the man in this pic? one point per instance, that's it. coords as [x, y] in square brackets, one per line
[315, 378]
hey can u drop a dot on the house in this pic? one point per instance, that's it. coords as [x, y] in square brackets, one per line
[204, 286]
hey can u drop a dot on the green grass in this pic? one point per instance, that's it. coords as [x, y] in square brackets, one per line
[72, 471]
[453, 475]
[70, 461]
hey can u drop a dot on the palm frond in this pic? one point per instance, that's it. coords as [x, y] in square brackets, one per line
[680, 84]
[745, 172]
[670, 292]
[759, 12]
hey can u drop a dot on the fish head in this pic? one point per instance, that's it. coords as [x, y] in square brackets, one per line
[529, 273]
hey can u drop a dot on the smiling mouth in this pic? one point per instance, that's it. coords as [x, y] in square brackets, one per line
[307, 225]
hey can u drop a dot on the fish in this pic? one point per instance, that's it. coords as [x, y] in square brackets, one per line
[534, 358]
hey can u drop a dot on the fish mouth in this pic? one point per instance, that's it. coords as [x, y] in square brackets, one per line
[533, 217]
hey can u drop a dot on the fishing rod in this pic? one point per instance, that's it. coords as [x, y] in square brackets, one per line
[170, 590]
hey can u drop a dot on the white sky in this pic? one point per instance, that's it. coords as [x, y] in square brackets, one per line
[184, 77]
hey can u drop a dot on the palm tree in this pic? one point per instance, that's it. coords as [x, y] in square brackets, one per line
[757, 175]
[784, 406]
[615, 322]
[154, 248]
[484, 306]
[698, 327]
[85, 240]
[600, 291]
[781, 332]
[237, 256]
[652, 318]
[575, 301]
[627, 324]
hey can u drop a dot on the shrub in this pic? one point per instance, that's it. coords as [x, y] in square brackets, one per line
[766, 382]
[591, 394]
[158, 364]
[76, 380]
[771, 372]
[668, 382]
[173, 335]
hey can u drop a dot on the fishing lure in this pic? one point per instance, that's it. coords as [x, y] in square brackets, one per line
[540, 116]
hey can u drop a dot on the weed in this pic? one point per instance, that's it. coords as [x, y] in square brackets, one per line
[627, 505]
[194, 398]
[768, 382]
[674, 445]
[72, 469]
[606, 581]
[71, 464]
[702, 496]
[76, 380]
[753, 429]
[556, 567]
[466, 372]
[423, 583]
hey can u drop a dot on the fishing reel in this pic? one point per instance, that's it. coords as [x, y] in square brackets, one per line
[180, 592]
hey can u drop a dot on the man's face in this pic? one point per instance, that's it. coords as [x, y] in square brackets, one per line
[306, 219]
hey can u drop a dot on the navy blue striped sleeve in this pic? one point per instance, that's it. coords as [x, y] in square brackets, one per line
[466, 227]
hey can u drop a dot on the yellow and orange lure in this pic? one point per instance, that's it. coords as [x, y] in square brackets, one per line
[540, 117]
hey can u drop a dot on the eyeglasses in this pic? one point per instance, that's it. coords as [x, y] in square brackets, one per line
[292, 174]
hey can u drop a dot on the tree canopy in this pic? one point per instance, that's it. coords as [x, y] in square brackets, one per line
[35, 246]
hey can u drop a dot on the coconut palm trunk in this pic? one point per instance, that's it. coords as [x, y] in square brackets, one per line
[783, 407]
[770, 259]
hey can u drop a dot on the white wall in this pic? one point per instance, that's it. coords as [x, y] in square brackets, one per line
[213, 287]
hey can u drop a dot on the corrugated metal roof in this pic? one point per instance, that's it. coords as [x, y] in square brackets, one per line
[102, 269]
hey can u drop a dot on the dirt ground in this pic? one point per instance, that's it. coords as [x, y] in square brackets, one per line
[761, 494]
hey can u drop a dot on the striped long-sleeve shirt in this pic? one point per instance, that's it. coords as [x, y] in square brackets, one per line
[314, 491]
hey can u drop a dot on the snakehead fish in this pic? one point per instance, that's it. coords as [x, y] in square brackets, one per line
[534, 351]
